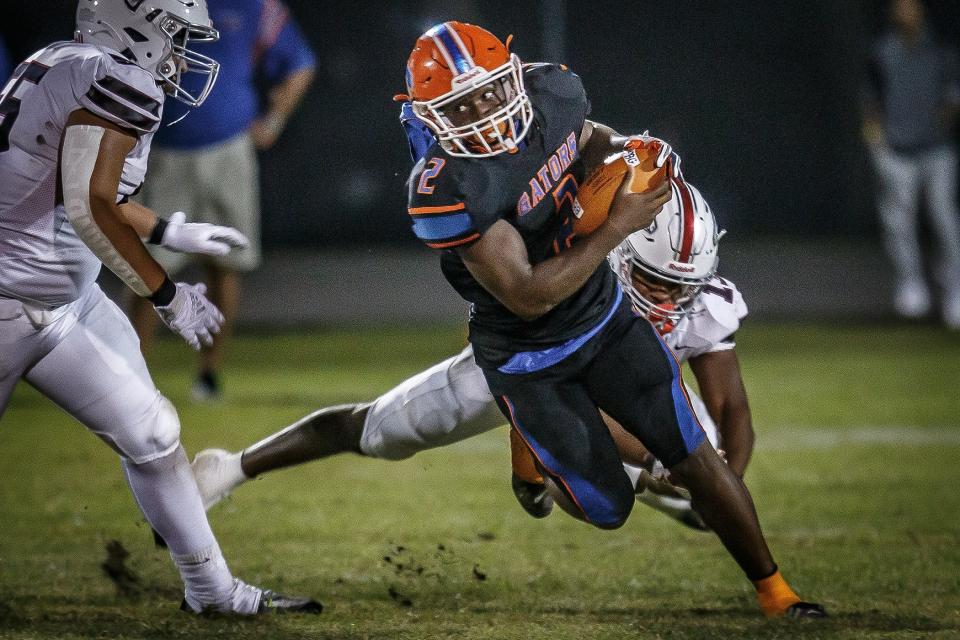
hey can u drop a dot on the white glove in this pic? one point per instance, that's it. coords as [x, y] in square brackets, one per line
[200, 237]
[667, 154]
[191, 315]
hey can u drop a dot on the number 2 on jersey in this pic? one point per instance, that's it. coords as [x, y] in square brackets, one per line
[434, 166]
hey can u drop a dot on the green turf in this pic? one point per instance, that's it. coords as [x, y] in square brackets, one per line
[855, 478]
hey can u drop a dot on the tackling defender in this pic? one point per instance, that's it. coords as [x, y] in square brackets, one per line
[552, 338]
[76, 122]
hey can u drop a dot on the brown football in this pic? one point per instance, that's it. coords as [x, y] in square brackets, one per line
[638, 158]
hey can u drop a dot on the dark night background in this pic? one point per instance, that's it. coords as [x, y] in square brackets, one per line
[759, 99]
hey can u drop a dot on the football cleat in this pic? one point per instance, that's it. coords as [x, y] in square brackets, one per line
[248, 600]
[533, 497]
[270, 602]
[217, 473]
[806, 610]
[273, 602]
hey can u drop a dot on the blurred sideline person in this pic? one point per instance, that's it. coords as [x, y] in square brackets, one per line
[75, 132]
[207, 162]
[697, 315]
[913, 98]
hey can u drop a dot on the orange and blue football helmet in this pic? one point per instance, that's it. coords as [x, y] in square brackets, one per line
[467, 87]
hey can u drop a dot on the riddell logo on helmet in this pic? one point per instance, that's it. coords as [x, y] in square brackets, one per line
[682, 268]
[464, 78]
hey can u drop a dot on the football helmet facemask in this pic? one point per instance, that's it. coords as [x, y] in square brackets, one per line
[155, 35]
[663, 267]
[467, 87]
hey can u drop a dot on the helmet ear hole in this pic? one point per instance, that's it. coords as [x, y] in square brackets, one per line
[135, 35]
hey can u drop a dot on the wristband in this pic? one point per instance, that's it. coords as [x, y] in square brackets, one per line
[156, 236]
[163, 296]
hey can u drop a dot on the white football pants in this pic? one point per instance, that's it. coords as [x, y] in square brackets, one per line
[85, 356]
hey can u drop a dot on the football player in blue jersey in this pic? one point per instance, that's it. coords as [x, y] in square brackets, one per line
[549, 328]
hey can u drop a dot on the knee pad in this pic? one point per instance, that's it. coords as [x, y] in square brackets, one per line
[154, 435]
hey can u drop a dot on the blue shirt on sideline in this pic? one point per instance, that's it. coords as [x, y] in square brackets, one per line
[255, 36]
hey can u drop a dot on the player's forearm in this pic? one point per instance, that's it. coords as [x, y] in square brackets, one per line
[556, 279]
[141, 218]
[737, 438]
[125, 238]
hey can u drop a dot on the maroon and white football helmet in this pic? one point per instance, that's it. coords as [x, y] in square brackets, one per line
[673, 258]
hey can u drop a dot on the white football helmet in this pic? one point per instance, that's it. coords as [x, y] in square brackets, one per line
[675, 256]
[155, 35]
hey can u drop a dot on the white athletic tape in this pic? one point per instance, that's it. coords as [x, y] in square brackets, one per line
[81, 148]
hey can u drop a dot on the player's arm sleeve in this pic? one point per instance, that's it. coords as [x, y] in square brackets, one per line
[725, 309]
[281, 48]
[91, 161]
[445, 226]
[119, 92]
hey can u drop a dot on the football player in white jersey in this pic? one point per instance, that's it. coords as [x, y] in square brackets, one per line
[696, 312]
[76, 121]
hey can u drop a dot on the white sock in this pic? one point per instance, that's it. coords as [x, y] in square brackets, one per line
[168, 497]
[207, 579]
[233, 471]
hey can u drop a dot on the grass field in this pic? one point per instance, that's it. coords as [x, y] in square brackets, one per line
[855, 476]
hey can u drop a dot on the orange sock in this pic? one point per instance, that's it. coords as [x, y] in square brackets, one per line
[775, 595]
[523, 465]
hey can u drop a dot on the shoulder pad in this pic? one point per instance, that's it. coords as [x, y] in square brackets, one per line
[120, 91]
[717, 313]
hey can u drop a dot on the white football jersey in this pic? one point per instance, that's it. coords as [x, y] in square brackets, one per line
[711, 322]
[41, 258]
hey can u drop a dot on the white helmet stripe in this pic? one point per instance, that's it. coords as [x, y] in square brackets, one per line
[686, 220]
[450, 45]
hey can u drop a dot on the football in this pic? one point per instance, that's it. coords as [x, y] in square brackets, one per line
[638, 158]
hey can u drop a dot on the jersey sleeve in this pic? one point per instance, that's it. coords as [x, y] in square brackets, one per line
[440, 213]
[561, 82]
[119, 91]
[725, 308]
